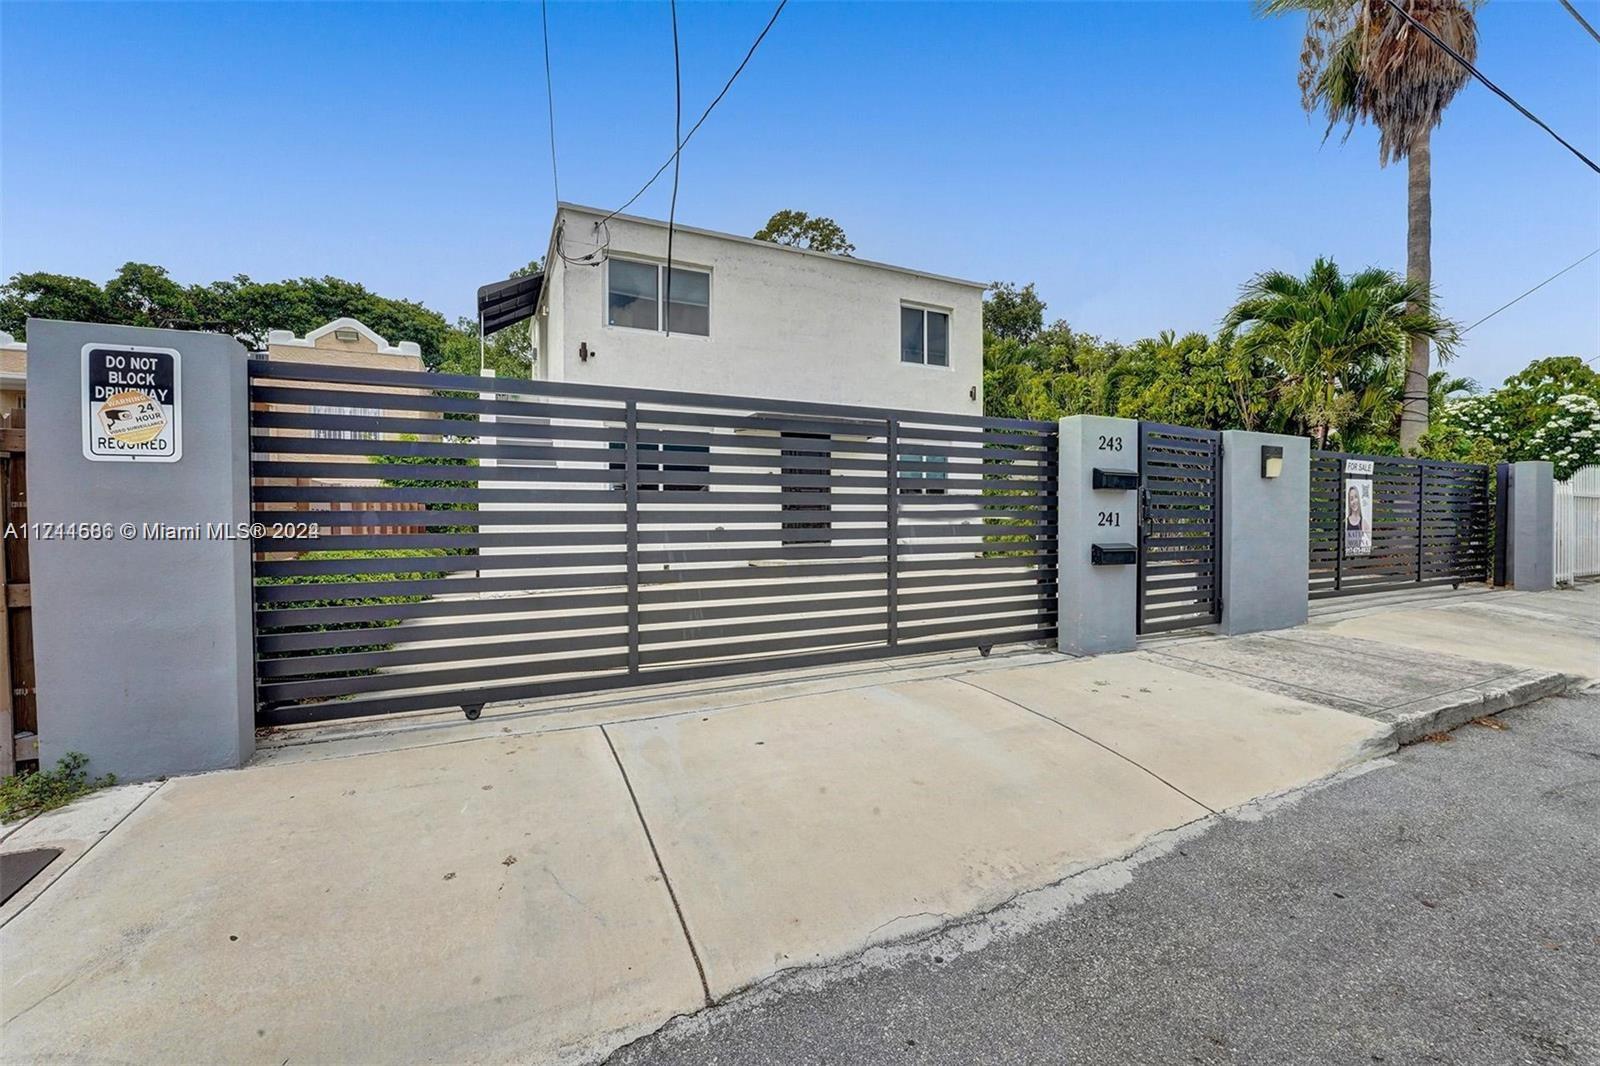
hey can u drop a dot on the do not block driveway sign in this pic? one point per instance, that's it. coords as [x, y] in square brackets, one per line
[132, 408]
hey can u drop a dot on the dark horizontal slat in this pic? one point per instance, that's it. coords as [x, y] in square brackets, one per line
[410, 654]
[277, 643]
[322, 687]
[326, 710]
[283, 617]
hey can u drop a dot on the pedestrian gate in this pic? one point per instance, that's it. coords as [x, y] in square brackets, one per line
[1180, 523]
[483, 540]
[1408, 523]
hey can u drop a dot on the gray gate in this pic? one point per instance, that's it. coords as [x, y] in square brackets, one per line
[1432, 524]
[484, 540]
[1180, 524]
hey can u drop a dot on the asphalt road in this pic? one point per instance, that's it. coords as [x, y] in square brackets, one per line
[1444, 909]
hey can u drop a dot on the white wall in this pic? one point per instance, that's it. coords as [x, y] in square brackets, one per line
[784, 324]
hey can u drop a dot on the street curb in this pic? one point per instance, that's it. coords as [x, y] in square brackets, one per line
[1440, 714]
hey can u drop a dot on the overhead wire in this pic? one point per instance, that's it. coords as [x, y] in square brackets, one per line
[677, 162]
[1581, 20]
[704, 114]
[550, 98]
[1533, 290]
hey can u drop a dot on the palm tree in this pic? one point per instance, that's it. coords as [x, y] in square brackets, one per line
[1335, 345]
[1362, 61]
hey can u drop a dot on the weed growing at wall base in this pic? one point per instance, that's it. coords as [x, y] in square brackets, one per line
[22, 795]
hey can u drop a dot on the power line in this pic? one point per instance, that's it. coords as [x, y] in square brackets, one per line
[1581, 20]
[1531, 291]
[1459, 58]
[705, 114]
[550, 97]
[677, 160]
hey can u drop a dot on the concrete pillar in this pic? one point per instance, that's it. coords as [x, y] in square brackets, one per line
[1530, 527]
[142, 642]
[1098, 604]
[1266, 537]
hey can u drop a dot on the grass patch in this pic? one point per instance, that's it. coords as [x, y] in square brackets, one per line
[22, 795]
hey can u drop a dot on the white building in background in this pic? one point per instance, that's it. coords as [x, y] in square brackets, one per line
[746, 318]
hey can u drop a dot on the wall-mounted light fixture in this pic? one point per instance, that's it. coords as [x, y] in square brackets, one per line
[1271, 460]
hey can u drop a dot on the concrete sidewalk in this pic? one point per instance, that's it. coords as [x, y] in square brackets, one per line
[544, 886]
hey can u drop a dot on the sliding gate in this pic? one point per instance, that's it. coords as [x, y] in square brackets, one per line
[1180, 527]
[1381, 522]
[481, 540]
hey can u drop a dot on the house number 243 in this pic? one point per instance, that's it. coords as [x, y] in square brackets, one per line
[1110, 443]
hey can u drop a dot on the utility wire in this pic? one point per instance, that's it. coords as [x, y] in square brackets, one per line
[677, 159]
[549, 97]
[1581, 20]
[703, 115]
[1533, 290]
[1476, 73]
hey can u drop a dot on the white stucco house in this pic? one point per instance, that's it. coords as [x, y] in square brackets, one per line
[746, 318]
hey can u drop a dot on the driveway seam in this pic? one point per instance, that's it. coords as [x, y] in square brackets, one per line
[705, 986]
[81, 856]
[1322, 696]
[1090, 739]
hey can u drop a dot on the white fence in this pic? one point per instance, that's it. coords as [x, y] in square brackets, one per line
[1578, 526]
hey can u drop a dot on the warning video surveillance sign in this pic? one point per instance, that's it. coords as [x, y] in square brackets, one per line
[132, 408]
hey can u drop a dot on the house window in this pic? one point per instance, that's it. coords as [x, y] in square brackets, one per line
[924, 336]
[636, 292]
[812, 463]
[933, 480]
[324, 433]
[653, 486]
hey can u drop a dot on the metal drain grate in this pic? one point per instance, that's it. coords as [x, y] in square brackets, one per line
[17, 868]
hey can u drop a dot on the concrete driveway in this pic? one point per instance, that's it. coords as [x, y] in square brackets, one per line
[550, 892]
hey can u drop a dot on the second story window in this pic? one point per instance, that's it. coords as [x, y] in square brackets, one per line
[637, 291]
[924, 336]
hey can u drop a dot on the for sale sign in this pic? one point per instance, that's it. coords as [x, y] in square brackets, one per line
[132, 409]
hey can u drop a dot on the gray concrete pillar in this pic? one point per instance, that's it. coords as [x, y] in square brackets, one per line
[1266, 537]
[1530, 527]
[1098, 603]
[142, 631]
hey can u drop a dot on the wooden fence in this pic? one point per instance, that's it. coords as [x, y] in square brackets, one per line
[19, 715]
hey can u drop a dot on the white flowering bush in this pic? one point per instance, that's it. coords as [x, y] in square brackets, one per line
[1549, 411]
[1571, 438]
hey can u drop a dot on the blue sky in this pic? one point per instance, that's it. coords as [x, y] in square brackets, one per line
[1137, 160]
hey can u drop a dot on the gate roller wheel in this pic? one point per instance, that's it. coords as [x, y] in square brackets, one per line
[472, 710]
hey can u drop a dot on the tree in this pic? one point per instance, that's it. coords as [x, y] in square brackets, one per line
[800, 230]
[142, 294]
[42, 295]
[1363, 62]
[1010, 313]
[1336, 344]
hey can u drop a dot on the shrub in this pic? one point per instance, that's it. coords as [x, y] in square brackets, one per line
[22, 795]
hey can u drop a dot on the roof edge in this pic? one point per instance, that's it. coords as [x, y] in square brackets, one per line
[567, 205]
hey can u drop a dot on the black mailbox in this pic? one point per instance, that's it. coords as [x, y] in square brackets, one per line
[1115, 479]
[1113, 554]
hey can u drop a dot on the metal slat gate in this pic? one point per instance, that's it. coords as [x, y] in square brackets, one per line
[1180, 523]
[1432, 524]
[484, 540]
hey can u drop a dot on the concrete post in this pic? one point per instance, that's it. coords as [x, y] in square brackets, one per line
[1531, 527]
[1266, 536]
[1098, 604]
[142, 638]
